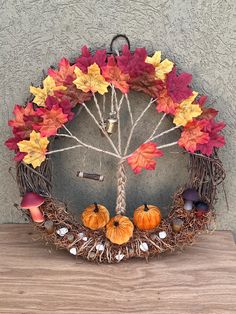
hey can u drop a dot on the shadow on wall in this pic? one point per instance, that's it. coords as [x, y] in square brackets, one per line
[154, 187]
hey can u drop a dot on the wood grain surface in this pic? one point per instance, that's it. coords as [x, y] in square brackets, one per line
[35, 278]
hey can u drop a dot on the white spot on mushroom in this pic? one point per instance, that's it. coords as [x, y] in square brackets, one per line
[100, 247]
[162, 235]
[73, 251]
[119, 256]
[143, 247]
[62, 231]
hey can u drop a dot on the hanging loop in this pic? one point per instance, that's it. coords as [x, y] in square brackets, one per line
[115, 38]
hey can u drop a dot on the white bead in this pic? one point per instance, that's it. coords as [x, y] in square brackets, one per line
[100, 247]
[84, 239]
[62, 231]
[162, 235]
[73, 251]
[144, 247]
[81, 235]
[119, 257]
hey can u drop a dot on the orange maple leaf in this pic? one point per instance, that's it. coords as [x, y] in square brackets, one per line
[143, 157]
[20, 113]
[165, 103]
[113, 74]
[193, 135]
[53, 119]
[65, 74]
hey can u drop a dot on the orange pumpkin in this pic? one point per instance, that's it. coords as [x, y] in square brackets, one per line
[119, 229]
[147, 217]
[95, 216]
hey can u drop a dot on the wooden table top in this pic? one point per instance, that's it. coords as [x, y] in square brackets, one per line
[35, 278]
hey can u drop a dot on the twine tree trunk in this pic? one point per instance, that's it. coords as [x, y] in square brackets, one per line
[121, 184]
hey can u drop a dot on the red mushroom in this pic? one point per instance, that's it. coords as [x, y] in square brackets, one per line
[32, 201]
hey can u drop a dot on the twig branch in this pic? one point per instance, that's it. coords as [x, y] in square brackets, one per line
[165, 132]
[118, 108]
[136, 122]
[62, 149]
[156, 128]
[129, 109]
[89, 146]
[103, 131]
[167, 145]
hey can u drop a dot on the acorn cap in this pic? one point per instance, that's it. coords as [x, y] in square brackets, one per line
[31, 199]
[202, 206]
[191, 195]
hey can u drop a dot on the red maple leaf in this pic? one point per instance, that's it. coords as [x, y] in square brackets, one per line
[73, 95]
[165, 103]
[177, 85]
[143, 157]
[193, 134]
[147, 84]
[25, 118]
[134, 63]
[113, 74]
[63, 103]
[64, 75]
[212, 128]
[11, 143]
[202, 100]
[207, 112]
[86, 59]
[53, 119]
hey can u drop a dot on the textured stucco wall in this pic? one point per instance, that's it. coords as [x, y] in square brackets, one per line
[197, 35]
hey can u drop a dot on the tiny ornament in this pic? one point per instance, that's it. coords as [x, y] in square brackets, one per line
[73, 251]
[119, 256]
[100, 247]
[162, 235]
[49, 226]
[111, 123]
[190, 196]
[81, 235]
[85, 239]
[143, 247]
[201, 209]
[91, 176]
[70, 237]
[62, 231]
[92, 255]
[177, 225]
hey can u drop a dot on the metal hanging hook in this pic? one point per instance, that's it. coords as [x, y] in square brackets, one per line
[115, 38]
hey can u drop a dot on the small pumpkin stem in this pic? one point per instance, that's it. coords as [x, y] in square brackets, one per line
[96, 209]
[145, 207]
[116, 223]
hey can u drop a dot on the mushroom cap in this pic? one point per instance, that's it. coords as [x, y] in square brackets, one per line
[191, 195]
[31, 199]
[202, 206]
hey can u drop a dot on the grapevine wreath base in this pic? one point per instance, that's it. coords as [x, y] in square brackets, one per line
[97, 237]
[205, 174]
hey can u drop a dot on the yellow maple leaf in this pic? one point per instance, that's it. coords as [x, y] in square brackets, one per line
[186, 111]
[92, 81]
[161, 68]
[49, 86]
[35, 148]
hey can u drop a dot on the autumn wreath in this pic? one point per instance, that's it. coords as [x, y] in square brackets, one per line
[97, 236]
